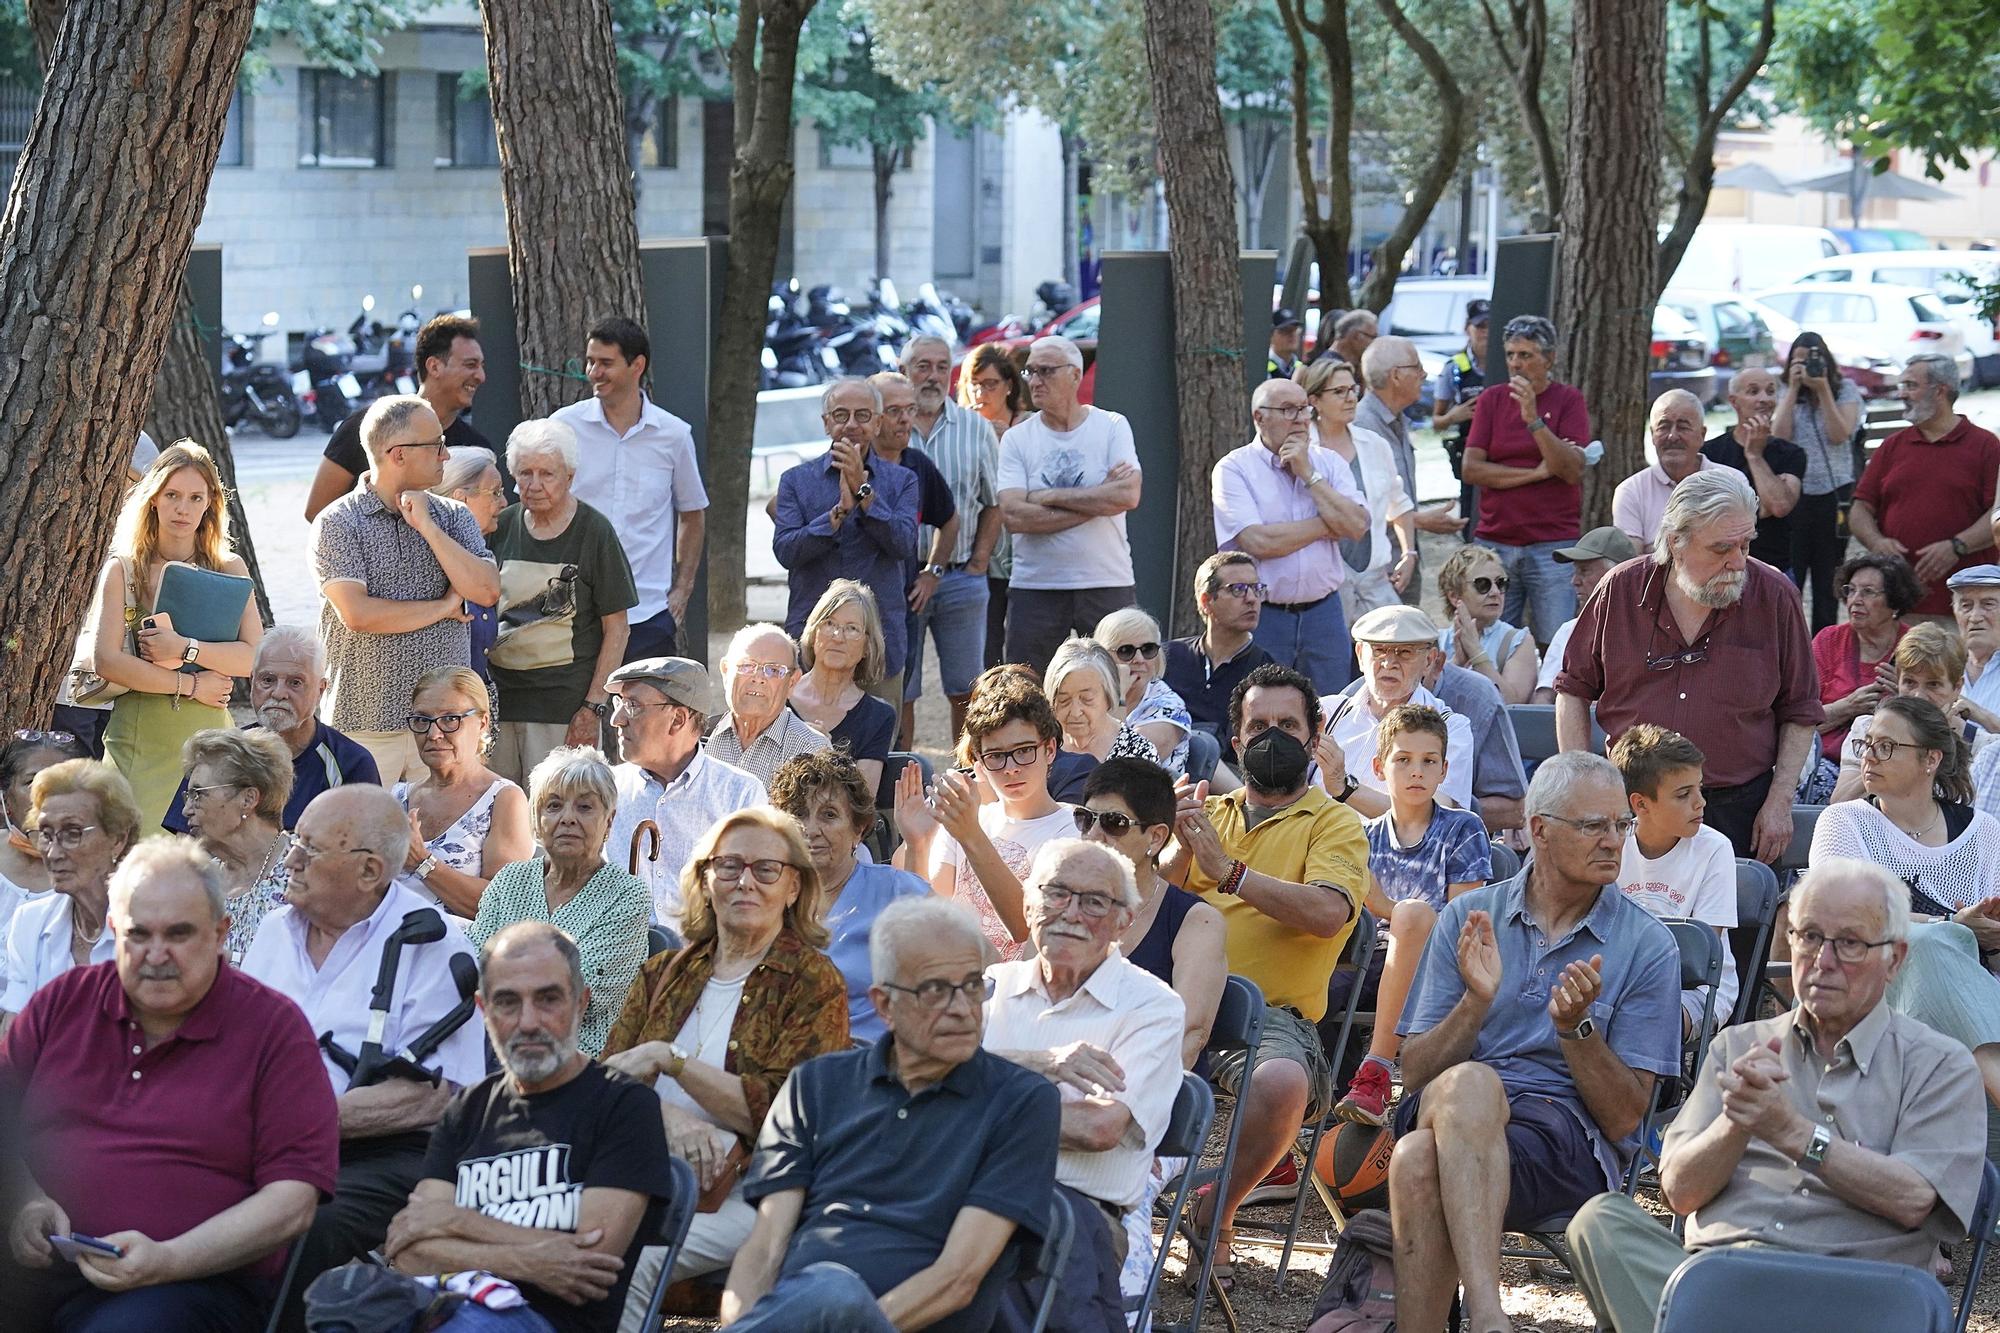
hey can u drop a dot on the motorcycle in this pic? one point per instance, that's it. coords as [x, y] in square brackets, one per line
[892, 329]
[847, 341]
[790, 358]
[343, 374]
[323, 379]
[257, 391]
[928, 316]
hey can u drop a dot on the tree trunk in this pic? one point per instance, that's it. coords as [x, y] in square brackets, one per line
[1698, 174]
[572, 228]
[1610, 212]
[93, 247]
[884, 162]
[1438, 172]
[1208, 293]
[762, 61]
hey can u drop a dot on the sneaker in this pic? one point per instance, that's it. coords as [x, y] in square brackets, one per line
[1367, 1099]
[1280, 1186]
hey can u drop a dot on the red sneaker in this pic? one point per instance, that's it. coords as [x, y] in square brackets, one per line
[1367, 1099]
[1280, 1186]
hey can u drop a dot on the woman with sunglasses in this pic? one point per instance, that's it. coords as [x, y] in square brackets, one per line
[23, 877]
[1474, 586]
[1146, 703]
[466, 821]
[716, 1028]
[1377, 573]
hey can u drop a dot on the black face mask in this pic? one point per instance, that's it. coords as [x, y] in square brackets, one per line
[1274, 761]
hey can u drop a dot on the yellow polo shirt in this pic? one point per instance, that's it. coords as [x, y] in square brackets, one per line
[1314, 840]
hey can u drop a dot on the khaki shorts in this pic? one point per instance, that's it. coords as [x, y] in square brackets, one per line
[1286, 1037]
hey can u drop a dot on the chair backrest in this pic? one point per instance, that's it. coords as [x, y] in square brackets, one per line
[1779, 1291]
[658, 940]
[1534, 731]
[1239, 1018]
[1985, 1217]
[1799, 852]
[1052, 1254]
[1756, 914]
[674, 1223]
[1187, 1127]
[892, 769]
[1506, 862]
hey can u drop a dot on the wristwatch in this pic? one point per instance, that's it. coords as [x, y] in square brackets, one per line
[425, 866]
[1314, 480]
[601, 709]
[1580, 1032]
[676, 1061]
[864, 490]
[1537, 424]
[1958, 548]
[1814, 1157]
[1348, 789]
[935, 571]
[194, 645]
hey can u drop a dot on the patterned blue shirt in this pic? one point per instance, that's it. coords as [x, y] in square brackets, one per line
[849, 919]
[870, 547]
[1453, 850]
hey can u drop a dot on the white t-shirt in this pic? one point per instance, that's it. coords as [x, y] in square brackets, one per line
[1552, 660]
[1094, 553]
[705, 1037]
[1696, 879]
[1017, 841]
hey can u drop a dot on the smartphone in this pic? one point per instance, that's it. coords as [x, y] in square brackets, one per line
[73, 1246]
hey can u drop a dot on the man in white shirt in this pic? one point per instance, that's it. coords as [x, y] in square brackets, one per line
[1106, 1032]
[1675, 424]
[662, 704]
[637, 468]
[324, 948]
[1068, 475]
[1589, 561]
[1394, 644]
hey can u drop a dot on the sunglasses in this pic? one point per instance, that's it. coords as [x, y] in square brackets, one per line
[1486, 583]
[1115, 825]
[1127, 651]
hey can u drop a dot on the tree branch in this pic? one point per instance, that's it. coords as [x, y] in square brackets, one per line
[1698, 171]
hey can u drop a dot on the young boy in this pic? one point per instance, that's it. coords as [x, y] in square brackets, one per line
[1675, 865]
[1420, 856]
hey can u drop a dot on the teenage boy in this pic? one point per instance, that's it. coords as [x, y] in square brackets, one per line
[1420, 856]
[1675, 865]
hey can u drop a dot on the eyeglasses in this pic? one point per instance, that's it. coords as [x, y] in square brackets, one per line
[1115, 825]
[1849, 591]
[763, 670]
[1021, 756]
[842, 417]
[1288, 413]
[421, 723]
[1401, 654]
[1845, 947]
[1486, 583]
[834, 630]
[1056, 899]
[69, 837]
[729, 869]
[1247, 591]
[307, 853]
[900, 413]
[1340, 391]
[938, 993]
[437, 446]
[46, 737]
[620, 704]
[1597, 828]
[1882, 751]
[1044, 372]
[196, 795]
[1417, 366]
[1128, 651]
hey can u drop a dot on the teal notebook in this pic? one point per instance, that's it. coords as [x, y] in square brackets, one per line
[205, 604]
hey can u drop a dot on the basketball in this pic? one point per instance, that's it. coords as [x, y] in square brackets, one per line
[1353, 1162]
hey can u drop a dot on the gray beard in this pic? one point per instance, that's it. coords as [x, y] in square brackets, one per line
[536, 1068]
[1723, 590]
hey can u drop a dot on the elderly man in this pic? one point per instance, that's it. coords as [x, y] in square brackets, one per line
[1841, 1128]
[1287, 866]
[1589, 561]
[1395, 379]
[1775, 467]
[1545, 1007]
[287, 677]
[662, 705]
[1975, 606]
[937, 518]
[1107, 1033]
[1353, 333]
[1289, 504]
[950, 596]
[1674, 424]
[167, 1104]
[760, 732]
[1928, 493]
[1395, 645]
[636, 466]
[1068, 475]
[551, 1173]
[324, 947]
[1703, 640]
[889, 1179]
[396, 566]
[1499, 779]
[849, 514]
[1284, 357]
[1205, 668]
[1525, 452]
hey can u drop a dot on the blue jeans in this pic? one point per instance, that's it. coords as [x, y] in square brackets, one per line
[475, 1318]
[1314, 642]
[819, 1298]
[1538, 585]
[654, 636]
[956, 619]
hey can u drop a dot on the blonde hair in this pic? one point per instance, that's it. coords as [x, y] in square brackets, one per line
[137, 537]
[460, 680]
[1933, 646]
[1457, 571]
[117, 808]
[1127, 621]
[875, 652]
[257, 759]
[801, 917]
[1315, 376]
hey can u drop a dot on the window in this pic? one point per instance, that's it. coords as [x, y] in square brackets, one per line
[660, 146]
[342, 120]
[17, 113]
[232, 133]
[465, 126]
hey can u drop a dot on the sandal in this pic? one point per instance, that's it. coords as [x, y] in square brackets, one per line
[1222, 1271]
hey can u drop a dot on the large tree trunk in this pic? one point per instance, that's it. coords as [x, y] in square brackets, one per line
[572, 229]
[93, 247]
[1201, 237]
[1698, 171]
[1610, 210]
[883, 160]
[1430, 187]
[1332, 230]
[762, 61]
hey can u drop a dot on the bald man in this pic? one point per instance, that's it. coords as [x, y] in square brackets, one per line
[1776, 467]
[1674, 426]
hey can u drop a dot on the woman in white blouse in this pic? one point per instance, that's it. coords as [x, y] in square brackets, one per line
[1376, 573]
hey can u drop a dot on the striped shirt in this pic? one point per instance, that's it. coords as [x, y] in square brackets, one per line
[789, 736]
[963, 447]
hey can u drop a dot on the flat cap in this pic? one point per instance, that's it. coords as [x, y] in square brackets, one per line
[681, 679]
[1395, 624]
[1975, 576]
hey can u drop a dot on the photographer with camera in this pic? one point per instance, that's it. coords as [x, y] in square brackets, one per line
[1817, 410]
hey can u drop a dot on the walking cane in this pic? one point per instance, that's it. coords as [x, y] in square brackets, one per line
[646, 826]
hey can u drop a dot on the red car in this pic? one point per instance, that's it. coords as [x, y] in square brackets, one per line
[1079, 325]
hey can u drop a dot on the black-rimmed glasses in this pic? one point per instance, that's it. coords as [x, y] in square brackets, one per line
[1845, 947]
[421, 723]
[938, 993]
[1021, 756]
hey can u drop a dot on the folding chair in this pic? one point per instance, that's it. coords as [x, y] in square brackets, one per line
[1985, 1217]
[883, 838]
[1534, 731]
[659, 940]
[1798, 853]
[673, 1232]
[1050, 1256]
[1506, 862]
[292, 1273]
[1780, 1291]
[1756, 915]
[1187, 1134]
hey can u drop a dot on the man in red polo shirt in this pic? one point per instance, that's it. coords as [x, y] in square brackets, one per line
[1927, 495]
[169, 1105]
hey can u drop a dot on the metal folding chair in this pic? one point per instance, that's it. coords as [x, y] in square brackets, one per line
[1781, 1291]
[1534, 731]
[884, 837]
[1506, 862]
[1756, 915]
[1985, 1217]
[291, 1275]
[1798, 853]
[659, 940]
[673, 1233]
[1051, 1255]
[1187, 1134]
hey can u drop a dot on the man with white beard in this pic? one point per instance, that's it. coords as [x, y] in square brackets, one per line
[1705, 641]
[287, 677]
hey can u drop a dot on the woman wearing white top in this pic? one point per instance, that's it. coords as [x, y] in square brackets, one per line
[1334, 392]
[466, 821]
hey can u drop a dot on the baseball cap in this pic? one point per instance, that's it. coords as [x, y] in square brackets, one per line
[1599, 544]
[1395, 624]
[1284, 318]
[1975, 576]
[684, 681]
[1477, 309]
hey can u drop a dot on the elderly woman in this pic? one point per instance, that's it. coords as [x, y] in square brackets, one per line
[1853, 657]
[993, 385]
[237, 786]
[1082, 686]
[761, 733]
[466, 821]
[472, 477]
[565, 586]
[1929, 663]
[573, 796]
[1818, 409]
[835, 806]
[1473, 584]
[22, 874]
[1376, 573]
[173, 514]
[716, 1027]
[85, 820]
[1144, 701]
[843, 653]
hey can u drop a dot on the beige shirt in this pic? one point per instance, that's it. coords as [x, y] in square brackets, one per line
[789, 736]
[1894, 1086]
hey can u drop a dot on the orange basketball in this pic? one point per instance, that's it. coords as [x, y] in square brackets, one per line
[1353, 1162]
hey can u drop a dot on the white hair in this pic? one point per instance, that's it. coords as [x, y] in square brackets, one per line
[542, 436]
[1384, 355]
[1558, 777]
[464, 465]
[1699, 500]
[1070, 351]
[1130, 620]
[1261, 396]
[1354, 319]
[928, 918]
[1055, 849]
[572, 768]
[1894, 892]
[388, 416]
[1082, 655]
[1939, 369]
[300, 641]
[921, 340]
[740, 641]
[874, 393]
[158, 857]
[1673, 398]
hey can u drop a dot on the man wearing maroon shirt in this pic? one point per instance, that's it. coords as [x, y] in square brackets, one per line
[1525, 452]
[1927, 495]
[171, 1106]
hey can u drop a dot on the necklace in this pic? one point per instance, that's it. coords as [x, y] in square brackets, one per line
[1918, 835]
[76, 935]
[703, 1031]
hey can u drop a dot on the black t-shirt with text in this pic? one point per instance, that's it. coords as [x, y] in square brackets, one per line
[345, 448]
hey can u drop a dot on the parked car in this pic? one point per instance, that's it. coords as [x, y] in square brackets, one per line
[1078, 324]
[1738, 337]
[1679, 358]
[1741, 256]
[1873, 327]
[1942, 272]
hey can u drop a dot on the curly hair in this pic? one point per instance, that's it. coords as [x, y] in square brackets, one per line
[1899, 581]
[804, 777]
[1458, 567]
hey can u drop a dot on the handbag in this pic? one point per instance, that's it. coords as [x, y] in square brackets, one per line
[83, 686]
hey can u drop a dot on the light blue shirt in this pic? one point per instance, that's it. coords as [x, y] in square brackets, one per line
[867, 891]
[1638, 1012]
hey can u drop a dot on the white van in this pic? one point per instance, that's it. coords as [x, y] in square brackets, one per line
[1743, 256]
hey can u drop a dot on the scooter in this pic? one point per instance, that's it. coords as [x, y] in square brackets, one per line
[257, 391]
[847, 341]
[790, 358]
[929, 316]
[892, 330]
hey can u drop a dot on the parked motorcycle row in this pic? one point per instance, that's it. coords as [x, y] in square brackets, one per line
[816, 336]
[332, 374]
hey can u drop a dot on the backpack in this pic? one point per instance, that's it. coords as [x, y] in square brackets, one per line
[1359, 1295]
